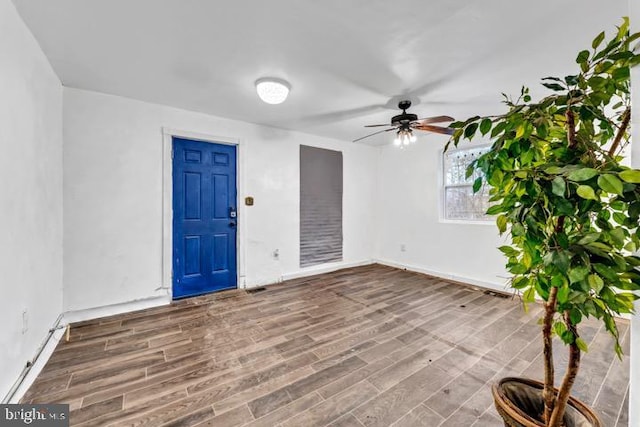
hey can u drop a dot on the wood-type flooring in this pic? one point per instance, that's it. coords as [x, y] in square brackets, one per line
[368, 346]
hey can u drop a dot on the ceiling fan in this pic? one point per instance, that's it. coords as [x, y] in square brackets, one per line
[405, 123]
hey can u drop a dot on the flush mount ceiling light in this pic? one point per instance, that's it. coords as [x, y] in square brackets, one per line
[272, 91]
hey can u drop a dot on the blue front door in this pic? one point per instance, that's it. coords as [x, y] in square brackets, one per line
[204, 217]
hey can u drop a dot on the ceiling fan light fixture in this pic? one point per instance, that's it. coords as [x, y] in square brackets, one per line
[404, 137]
[272, 90]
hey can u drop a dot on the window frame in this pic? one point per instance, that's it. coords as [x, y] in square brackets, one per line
[443, 187]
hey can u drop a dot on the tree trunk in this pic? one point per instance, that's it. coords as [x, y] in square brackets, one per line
[626, 117]
[548, 393]
[569, 378]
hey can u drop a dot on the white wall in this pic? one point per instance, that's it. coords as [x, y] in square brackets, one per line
[634, 396]
[408, 208]
[30, 195]
[113, 196]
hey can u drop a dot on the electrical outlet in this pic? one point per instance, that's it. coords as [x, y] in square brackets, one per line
[25, 321]
[403, 248]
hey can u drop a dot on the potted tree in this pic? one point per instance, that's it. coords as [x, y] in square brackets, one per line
[571, 208]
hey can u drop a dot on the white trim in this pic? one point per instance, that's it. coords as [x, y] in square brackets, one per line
[442, 189]
[69, 317]
[167, 201]
[38, 365]
[324, 268]
[42, 357]
[114, 309]
[494, 286]
[468, 222]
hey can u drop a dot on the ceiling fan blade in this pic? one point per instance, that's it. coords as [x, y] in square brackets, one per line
[436, 119]
[375, 126]
[375, 133]
[436, 129]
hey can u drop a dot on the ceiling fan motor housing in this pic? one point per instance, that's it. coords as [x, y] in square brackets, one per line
[404, 118]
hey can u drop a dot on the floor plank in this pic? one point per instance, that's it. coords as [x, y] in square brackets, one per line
[366, 346]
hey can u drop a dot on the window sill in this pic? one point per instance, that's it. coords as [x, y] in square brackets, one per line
[467, 221]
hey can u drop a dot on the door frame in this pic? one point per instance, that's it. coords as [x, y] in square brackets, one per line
[167, 202]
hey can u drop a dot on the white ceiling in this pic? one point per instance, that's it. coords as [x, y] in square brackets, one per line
[348, 61]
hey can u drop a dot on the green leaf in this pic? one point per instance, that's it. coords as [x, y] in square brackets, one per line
[558, 281]
[582, 57]
[518, 269]
[501, 222]
[630, 175]
[558, 186]
[559, 328]
[583, 174]
[595, 282]
[517, 229]
[620, 74]
[597, 82]
[563, 294]
[553, 170]
[567, 337]
[470, 130]
[495, 209]
[578, 273]
[582, 345]
[477, 184]
[571, 80]
[562, 240]
[586, 192]
[620, 218]
[575, 315]
[529, 295]
[485, 126]
[498, 128]
[543, 291]
[610, 183]
[542, 131]
[622, 30]
[596, 42]
[470, 170]
[508, 251]
[589, 238]
[521, 283]
[561, 260]
[618, 236]
[554, 86]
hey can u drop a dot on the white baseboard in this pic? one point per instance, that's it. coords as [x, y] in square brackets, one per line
[324, 268]
[43, 357]
[494, 286]
[79, 316]
[111, 310]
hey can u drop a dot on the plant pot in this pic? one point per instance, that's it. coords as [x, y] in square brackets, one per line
[519, 402]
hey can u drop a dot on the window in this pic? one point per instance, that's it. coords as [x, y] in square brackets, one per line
[460, 202]
[320, 206]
